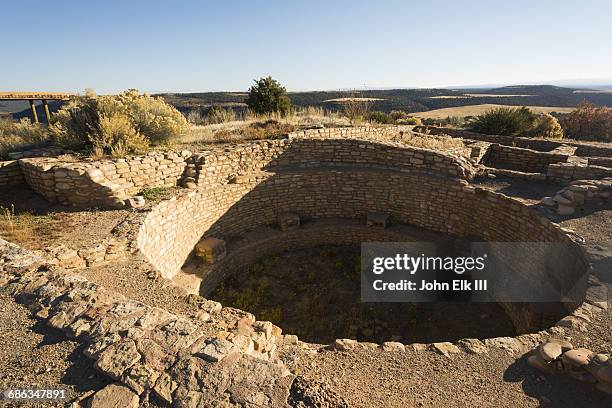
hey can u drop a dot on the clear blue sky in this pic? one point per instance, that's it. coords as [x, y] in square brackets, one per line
[189, 46]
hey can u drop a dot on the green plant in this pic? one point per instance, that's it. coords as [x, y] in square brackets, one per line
[379, 117]
[157, 193]
[116, 124]
[217, 114]
[398, 115]
[410, 121]
[268, 96]
[505, 121]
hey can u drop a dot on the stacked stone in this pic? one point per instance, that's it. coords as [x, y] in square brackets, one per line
[10, 173]
[600, 161]
[584, 149]
[106, 183]
[111, 249]
[560, 357]
[148, 350]
[578, 193]
[564, 172]
[521, 159]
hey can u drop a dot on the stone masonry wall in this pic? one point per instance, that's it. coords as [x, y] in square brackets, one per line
[525, 160]
[10, 173]
[584, 149]
[104, 182]
[222, 166]
[564, 172]
[171, 229]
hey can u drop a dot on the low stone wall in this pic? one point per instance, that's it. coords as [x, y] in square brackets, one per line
[584, 149]
[525, 160]
[10, 174]
[600, 161]
[104, 182]
[564, 172]
[221, 166]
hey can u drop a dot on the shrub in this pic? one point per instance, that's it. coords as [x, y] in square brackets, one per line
[268, 96]
[355, 108]
[410, 121]
[517, 122]
[379, 117]
[505, 121]
[547, 126]
[116, 124]
[217, 114]
[589, 122]
[398, 115]
[20, 135]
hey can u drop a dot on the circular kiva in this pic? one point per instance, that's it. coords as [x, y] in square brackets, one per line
[332, 188]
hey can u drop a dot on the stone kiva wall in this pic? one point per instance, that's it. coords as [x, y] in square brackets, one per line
[437, 201]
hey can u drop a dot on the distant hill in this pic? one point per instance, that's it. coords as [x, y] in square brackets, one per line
[411, 100]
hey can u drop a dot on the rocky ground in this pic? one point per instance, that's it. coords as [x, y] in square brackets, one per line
[34, 355]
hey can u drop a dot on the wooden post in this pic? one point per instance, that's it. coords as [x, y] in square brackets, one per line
[34, 114]
[47, 114]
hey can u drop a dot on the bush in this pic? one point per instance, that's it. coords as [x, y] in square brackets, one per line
[410, 121]
[15, 136]
[116, 124]
[589, 122]
[505, 121]
[516, 122]
[217, 114]
[268, 96]
[379, 117]
[398, 115]
[547, 126]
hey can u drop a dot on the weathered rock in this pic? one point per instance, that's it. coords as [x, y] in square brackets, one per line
[344, 344]
[393, 346]
[536, 361]
[604, 374]
[216, 350]
[577, 357]
[445, 348]
[550, 351]
[114, 396]
[473, 346]
[164, 387]
[509, 344]
[140, 378]
[563, 209]
[117, 358]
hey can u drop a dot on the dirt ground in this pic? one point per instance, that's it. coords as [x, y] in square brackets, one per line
[33, 355]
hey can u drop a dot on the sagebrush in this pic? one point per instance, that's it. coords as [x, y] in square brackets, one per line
[589, 122]
[116, 124]
[20, 135]
[516, 122]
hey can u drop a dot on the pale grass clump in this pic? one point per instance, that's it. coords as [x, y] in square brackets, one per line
[15, 228]
[20, 135]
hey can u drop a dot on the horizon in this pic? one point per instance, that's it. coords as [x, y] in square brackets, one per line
[193, 47]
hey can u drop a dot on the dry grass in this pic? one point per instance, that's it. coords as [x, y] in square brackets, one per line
[475, 110]
[23, 227]
[256, 127]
